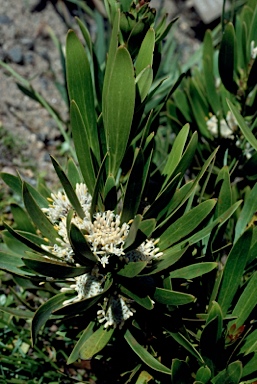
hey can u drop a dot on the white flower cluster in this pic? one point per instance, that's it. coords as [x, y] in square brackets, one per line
[253, 50]
[223, 127]
[115, 311]
[226, 129]
[106, 236]
[57, 213]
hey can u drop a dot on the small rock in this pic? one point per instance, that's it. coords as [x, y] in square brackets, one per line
[28, 58]
[27, 43]
[15, 54]
[209, 10]
[4, 19]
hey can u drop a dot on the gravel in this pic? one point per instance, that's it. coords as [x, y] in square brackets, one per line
[27, 132]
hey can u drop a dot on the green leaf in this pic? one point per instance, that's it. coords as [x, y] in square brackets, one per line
[168, 258]
[225, 195]
[110, 194]
[95, 343]
[21, 219]
[132, 232]
[233, 270]
[13, 182]
[227, 58]
[118, 108]
[44, 312]
[185, 224]
[82, 146]
[187, 157]
[82, 250]
[211, 335]
[11, 263]
[185, 343]
[162, 32]
[134, 188]
[192, 271]
[176, 151]
[243, 126]
[250, 343]
[85, 33]
[144, 378]
[31, 241]
[80, 88]
[38, 217]
[145, 230]
[145, 54]
[21, 313]
[165, 296]
[252, 28]
[144, 301]
[52, 268]
[252, 77]
[163, 201]
[250, 368]
[246, 302]
[180, 372]
[132, 269]
[215, 312]
[13, 244]
[83, 338]
[73, 173]
[207, 230]
[203, 374]
[144, 81]
[230, 375]
[96, 203]
[247, 212]
[144, 355]
[71, 194]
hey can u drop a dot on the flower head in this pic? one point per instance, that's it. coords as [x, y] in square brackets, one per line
[107, 235]
[147, 251]
[223, 127]
[86, 286]
[253, 50]
[115, 311]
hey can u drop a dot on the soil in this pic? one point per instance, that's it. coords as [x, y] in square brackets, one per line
[27, 133]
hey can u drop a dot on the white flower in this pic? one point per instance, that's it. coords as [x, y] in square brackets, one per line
[60, 204]
[86, 286]
[253, 50]
[226, 127]
[57, 214]
[147, 251]
[107, 235]
[115, 311]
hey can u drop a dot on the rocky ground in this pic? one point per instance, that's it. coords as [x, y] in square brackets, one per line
[27, 132]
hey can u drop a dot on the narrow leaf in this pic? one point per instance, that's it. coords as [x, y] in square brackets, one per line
[118, 108]
[165, 296]
[95, 343]
[82, 146]
[243, 126]
[73, 198]
[186, 224]
[182, 340]
[144, 355]
[233, 270]
[80, 87]
[83, 338]
[44, 312]
[38, 217]
[226, 58]
[192, 271]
